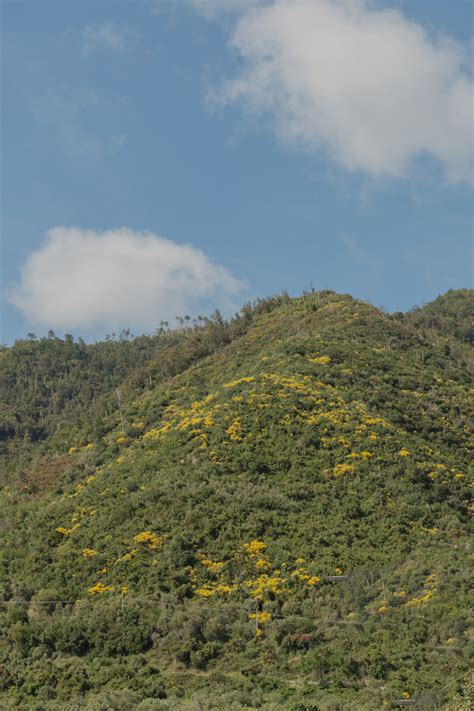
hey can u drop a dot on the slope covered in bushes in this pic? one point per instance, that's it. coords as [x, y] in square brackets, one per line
[280, 521]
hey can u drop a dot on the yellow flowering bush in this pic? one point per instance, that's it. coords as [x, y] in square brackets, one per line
[89, 552]
[68, 531]
[261, 617]
[428, 591]
[421, 600]
[263, 564]
[264, 584]
[127, 556]
[235, 430]
[100, 588]
[218, 589]
[211, 565]
[233, 383]
[321, 360]
[254, 548]
[150, 540]
[342, 469]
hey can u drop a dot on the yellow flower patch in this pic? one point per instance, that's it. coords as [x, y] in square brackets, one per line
[235, 430]
[342, 469]
[261, 617]
[254, 548]
[211, 565]
[321, 360]
[89, 552]
[211, 590]
[127, 556]
[68, 531]
[233, 383]
[149, 539]
[265, 584]
[100, 588]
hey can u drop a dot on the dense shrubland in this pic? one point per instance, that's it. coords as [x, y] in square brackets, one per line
[280, 521]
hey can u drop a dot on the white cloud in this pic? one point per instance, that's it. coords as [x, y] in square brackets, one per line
[105, 36]
[117, 278]
[367, 85]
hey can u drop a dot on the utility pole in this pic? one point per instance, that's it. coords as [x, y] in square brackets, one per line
[383, 588]
[119, 400]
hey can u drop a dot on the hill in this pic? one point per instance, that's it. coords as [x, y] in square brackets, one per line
[272, 512]
[449, 314]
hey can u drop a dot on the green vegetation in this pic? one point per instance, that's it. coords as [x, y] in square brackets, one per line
[450, 314]
[280, 521]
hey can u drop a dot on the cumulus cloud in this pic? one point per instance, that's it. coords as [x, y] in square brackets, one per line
[105, 36]
[117, 278]
[367, 85]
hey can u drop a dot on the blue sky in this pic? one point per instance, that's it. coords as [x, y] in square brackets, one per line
[241, 161]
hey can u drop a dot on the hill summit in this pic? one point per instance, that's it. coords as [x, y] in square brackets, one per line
[267, 512]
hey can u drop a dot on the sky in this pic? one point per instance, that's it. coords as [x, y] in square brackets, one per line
[169, 157]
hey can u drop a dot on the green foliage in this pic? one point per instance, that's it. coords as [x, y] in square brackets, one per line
[449, 314]
[188, 561]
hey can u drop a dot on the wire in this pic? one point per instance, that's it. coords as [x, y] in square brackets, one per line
[161, 603]
[455, 680]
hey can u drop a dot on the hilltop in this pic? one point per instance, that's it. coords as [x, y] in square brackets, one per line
[271, 512]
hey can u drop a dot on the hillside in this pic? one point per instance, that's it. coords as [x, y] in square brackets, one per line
[449, 314]
[281, 523]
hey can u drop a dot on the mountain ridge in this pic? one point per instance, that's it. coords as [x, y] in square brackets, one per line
[318, 430]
